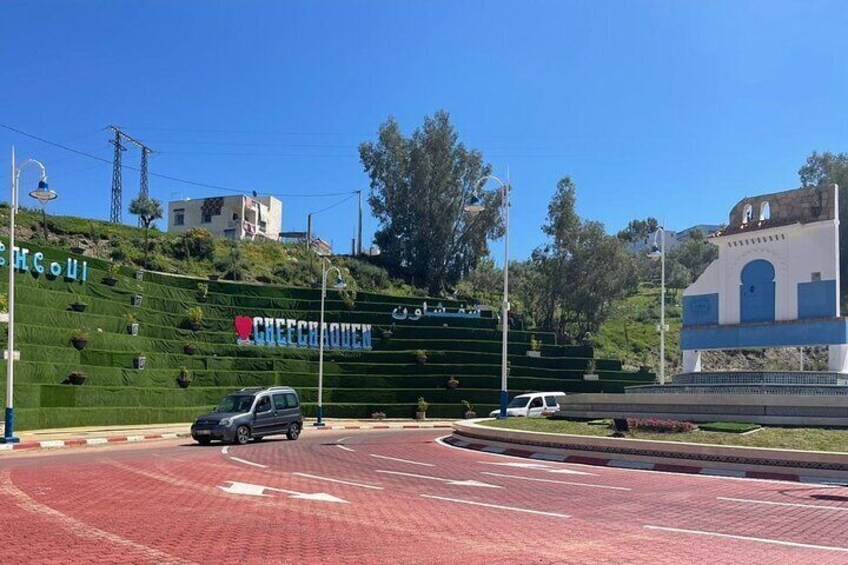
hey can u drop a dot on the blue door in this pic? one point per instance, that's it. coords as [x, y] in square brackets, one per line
[757, 292]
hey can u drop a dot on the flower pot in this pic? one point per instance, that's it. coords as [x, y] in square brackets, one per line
[77, 250]
[201, 297]
[590, 377]
[452, 384]
[189, 349]
[140, 362]
[378, 415]
[421, 359]
[214, 277]
[76, 378]
[420, 415]
[387, 335]
[139, 275]
[132, 329]
[534, 354]
[470, 415]
[195, 326]
[78, 307]
[184, 383]
[79, 344]
[109, 281]
[136, 300]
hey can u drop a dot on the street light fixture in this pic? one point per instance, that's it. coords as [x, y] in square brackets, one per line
[44, 195]
[475, 205]
[8, 431]
[326, 267]
[659, 253]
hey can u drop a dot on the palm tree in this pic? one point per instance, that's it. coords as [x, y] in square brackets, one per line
[148, 210]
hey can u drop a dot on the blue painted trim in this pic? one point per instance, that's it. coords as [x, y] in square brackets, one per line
[817, 299]
[504, 402]
[9, 431]
[756, 293]
[832, 331]
[319, 413]
[700, 310]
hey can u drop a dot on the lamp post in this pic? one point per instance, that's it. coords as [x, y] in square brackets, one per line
[44, 195]
[8, 431]
[475, 206]
[340, 284]
[659, 253]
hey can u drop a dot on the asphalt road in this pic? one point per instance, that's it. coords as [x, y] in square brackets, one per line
[395, 497]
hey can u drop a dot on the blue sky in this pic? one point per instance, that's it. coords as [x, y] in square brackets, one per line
[671, 109]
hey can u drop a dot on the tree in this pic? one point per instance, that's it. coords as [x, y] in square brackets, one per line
[148, 210]
[827, 168]
[638, 229]
[419, 187]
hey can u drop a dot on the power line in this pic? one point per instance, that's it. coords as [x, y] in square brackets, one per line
[331, 206]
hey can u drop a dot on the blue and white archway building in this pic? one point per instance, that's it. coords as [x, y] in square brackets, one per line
[775, 282]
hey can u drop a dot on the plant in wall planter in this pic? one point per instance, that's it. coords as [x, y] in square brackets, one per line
[140, 361]
[136, 300]
[202, 292]
[139, 276]
[452, 383]
[535, 347]
[77, 377]
[194, 318]
[387, 334]
[184, 378]
[421, 409]
[112, 272]
[189, 348]
[132, 324]
[79, 305]
[378, 415]
[421, 356]
[590, 374]
[469, 410]
[79, 339]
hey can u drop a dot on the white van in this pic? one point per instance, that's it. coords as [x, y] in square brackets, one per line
[533, 405]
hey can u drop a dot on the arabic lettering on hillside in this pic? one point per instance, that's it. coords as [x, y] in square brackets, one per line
[403, 313]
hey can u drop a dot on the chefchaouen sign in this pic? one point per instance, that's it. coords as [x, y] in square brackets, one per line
[25, 260]
[290, 332]
[439, 312]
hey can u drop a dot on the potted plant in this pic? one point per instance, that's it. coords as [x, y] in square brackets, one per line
[136, 300]
[590, 374]
[378, 415]
[139, 275]
[77, 377]
[112, 272]
[79, 339]
[194, 318]
[535, 347]
[140, 361]
[387, 334]
[202, 291]
[452, 383]
[184, 378]
[79, 305]
[189, 348]
[132, 324]
[421, 409]
[469, 410]
[421, 356]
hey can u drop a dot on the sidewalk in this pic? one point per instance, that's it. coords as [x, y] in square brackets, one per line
[58, 438]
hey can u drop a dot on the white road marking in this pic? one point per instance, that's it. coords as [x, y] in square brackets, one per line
[328, 479]
[225, 449]
[455, 482]
[746, 538]
[341, 440]
[539, 467]
[402, 460]
[259, 490]
[497, 506]
[552, 481]
[346, 448]
[793, 504]
[246, 462]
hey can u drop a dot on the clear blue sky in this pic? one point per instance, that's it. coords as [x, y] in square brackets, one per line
[671, 109]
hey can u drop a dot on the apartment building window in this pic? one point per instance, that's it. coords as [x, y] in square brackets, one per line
[206, 218]
[179, 217]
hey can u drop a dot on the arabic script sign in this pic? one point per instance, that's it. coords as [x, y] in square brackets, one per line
[289, 332]
[439, 312]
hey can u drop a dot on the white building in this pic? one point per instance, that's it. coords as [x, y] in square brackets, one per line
[672, 239]
[775, 282]
[235, 217]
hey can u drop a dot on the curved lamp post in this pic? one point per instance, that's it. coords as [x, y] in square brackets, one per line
[475, 206]
[659, 253]
[8, 432]
[44, 195]
[326, 267]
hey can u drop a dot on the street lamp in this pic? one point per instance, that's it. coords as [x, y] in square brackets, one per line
[475, 205]
[44, 195]
[8, 431]
[340, 284]
[659, 253]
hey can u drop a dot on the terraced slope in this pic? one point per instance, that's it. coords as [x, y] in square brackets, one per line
[387, 378]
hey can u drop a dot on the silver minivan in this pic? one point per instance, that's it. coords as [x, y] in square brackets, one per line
[251, 413]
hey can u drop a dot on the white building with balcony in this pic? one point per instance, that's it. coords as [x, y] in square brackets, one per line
[236, 217]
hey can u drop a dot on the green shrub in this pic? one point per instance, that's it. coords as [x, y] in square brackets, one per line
[422, 404]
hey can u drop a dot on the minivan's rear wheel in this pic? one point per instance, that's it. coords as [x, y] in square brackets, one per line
[242, 435]
[294, 431]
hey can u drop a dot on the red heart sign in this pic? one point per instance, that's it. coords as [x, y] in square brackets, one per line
[244, 325]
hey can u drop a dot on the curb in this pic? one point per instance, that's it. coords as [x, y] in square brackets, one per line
[389, 427]
[639, 465]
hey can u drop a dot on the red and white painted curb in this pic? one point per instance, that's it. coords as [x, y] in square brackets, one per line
[640, 465]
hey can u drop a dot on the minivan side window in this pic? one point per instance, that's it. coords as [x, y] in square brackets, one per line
[279, 402]
[536, 402]
[550, 401]
[291, 400]
[264, 404]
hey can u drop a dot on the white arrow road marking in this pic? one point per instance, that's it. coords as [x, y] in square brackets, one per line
[539, 467]
[259, 490]
[246, 462]
[328, 479]
[746, 538]
[225, 449]
[498, 506]
[555, 482]
[794, 504]
[402, 460]
[455, 482]
[346, 448]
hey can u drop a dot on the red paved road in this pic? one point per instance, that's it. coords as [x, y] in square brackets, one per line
[165, 504]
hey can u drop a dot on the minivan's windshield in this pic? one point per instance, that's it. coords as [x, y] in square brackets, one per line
[236, 403]
[519, 402]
